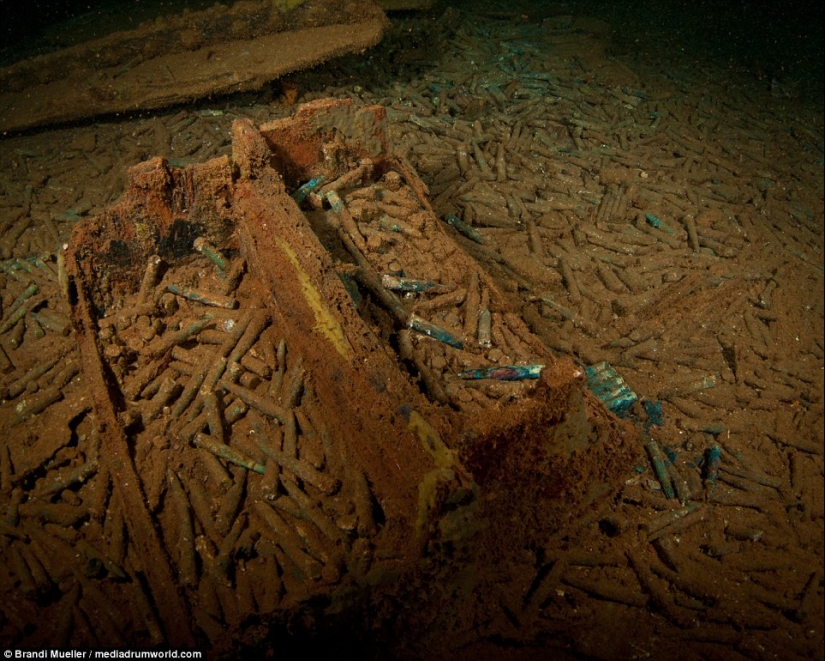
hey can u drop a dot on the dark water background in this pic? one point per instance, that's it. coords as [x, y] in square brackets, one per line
[772, 40]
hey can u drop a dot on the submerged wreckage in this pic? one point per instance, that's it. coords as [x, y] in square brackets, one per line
[183, 58]
[295, 389]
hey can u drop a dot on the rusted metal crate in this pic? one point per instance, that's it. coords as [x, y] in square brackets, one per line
[291, 394]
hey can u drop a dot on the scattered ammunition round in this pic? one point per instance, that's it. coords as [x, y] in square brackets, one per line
[150, 279]
[226, 452]
[485, 326]
[504, 373]
[304, 190]
[207, 249]
[289, 541]
[262, 404]
[169, 389]
[19, 386]
[657, 460]
[53, 321]
[429, 329]
[22, 306]
[27, 408]
[69, 479]
[206, 298]
[28, 292]
[173, 338]
[464, 229]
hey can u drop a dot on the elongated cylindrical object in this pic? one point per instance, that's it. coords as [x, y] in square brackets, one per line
[191, 391]
[443, 301]
[349, 179]
[311, 510]
[471, 306]
[693, 236]
[169, 389]
[187, 565]
[36, 326]
[214, 419]
[657, 460]
[288, 541]
[689, 387]
[429, 329]
[53, 321]
[653, 221]
[210, 252]
[262, 404]
[204, 297]
[62, 274]
[230, 504]
[679, 482]
[33, 374]
[363, 500]
[504, 373]
[409, 284]
[25, 306]
[150, 278]
[257, 323]
[17, 334]
[369, 279]
[665, 519]
[256, 366]
[27, 408]
[9, 271]
[233, 276]
[293, 385]
[225, 557]
[205, 386]
[37, 274]
[463, 228]
[485, 329]
[301, 469]
[27, 293]
[140, 379]
[20, 569]
[93, 554]
[271, 478]
[68, 479]
[501, 164]
[570, 281]
[302, 191]
[227, 452]
[174, 338]
[713, 458]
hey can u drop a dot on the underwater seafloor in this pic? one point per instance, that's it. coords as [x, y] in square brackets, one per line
[640, 194]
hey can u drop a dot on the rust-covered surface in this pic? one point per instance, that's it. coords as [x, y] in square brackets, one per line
[262, 432]
[562, 164]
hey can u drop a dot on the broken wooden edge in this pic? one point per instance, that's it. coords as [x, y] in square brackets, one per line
[152, 559]
[181, 77]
